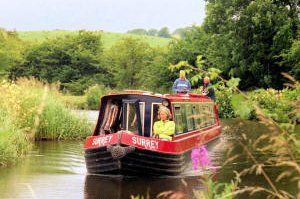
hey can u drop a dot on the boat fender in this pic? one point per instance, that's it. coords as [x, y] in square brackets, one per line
[118, 152]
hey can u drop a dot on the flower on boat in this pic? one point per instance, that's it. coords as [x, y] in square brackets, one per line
[200, 158]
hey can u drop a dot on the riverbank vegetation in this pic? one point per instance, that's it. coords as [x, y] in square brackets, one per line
[31, 110]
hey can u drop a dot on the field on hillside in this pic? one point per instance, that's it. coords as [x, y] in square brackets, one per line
[108, 38]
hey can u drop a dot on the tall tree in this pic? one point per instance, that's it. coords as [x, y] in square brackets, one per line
[164, 32]
[248, 38]
[194, 43]
[134, 64]
[11, 48]
[69, 59]
[152, 32]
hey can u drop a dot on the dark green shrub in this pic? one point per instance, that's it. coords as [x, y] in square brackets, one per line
[223, 101]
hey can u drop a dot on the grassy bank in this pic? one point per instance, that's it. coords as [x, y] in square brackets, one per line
[31, 110]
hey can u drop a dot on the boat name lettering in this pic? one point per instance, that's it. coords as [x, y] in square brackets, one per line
[148, 144]
[102, 140]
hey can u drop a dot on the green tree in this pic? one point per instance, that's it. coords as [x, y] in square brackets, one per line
[164, 32]
[133, 63]
[71, 60]
[193, 44]
[11, 48]
[138, 31]
[248, 37]
[181, 32]
[152, 32]
[292, 57]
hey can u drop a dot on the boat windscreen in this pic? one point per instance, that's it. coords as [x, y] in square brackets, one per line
[111, 120]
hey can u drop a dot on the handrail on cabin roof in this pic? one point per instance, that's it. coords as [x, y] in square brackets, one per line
[133, 91]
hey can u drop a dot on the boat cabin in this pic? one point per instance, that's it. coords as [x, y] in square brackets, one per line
[136, 112]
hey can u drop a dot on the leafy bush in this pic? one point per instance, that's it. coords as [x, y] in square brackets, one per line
[73, 60]
[223, 101]
[273, 103]
[243, 108]
[94, 93]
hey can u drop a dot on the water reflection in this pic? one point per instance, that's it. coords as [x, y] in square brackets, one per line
[97, 187]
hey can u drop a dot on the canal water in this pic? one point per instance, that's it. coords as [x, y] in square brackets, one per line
[55, 170]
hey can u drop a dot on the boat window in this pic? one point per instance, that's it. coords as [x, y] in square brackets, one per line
[154, 113]
[179, 119]
[111, 120]
[131, 121]
[196, 116]
[142, 113]
[193, 116]
[208, 111]
[190, 117]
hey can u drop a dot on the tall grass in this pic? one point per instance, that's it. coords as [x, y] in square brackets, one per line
[13, 143]
[32, 110]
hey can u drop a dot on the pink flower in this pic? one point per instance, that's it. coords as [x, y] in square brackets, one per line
[200, 158]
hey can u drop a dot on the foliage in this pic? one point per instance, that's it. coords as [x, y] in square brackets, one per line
[164, 32]
[13, 144]
[189, 47]
[292, 57]
[138, 31]
[242, 107]
[35, 109]
[75, 101]
[58, 122]
[94, 93]
[215, 190]
[134, 64]
[276, 104]
[69, 60]
[224, 101]
[248, 37]
[152, 32]
[11, 48]
[181, 32]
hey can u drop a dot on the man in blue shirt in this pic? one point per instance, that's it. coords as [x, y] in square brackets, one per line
[182, 85]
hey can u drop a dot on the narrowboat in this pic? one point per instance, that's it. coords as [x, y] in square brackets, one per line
[123, 143]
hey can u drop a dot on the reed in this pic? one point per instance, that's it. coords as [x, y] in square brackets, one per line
[13, 143]
[58, 122]
[32, 110]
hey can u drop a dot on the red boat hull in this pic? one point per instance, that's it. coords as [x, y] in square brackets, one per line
[125, 153]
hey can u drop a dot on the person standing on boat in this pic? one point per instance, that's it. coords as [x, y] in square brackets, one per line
[164, 128]
[208, 89]
[182, 85]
